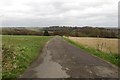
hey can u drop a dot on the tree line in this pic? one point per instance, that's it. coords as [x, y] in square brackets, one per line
[65, 31]
[84, 31]
[20, 31]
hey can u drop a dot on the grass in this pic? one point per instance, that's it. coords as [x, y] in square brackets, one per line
[112, 58]
[19, 52]
[102, 44]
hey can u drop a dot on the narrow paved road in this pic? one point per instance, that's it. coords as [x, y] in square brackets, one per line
[60, 59]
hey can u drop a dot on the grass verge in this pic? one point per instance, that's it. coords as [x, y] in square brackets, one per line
[19, 52]
[112, 58]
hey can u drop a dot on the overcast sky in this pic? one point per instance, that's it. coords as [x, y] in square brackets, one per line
[102, 13]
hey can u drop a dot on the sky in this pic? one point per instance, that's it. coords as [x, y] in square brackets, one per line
[42, 13]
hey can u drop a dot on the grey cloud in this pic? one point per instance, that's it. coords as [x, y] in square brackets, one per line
[63, 12]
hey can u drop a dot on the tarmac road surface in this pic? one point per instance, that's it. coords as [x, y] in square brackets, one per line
[59, 59]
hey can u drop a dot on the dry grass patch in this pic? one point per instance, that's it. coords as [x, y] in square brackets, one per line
[102, 44]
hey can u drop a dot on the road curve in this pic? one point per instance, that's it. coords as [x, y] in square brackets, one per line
[59, 59]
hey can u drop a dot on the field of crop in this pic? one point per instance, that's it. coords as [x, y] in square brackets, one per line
[102, 44]
[85, 46]
[18, 52]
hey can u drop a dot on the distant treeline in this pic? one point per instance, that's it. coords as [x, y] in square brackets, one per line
[65, 31]
[84, 31]
[20, 31]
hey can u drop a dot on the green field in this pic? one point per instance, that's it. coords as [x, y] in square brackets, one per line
[19, 52]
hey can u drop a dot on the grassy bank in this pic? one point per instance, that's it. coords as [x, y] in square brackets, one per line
[19, 52]
[112, 58]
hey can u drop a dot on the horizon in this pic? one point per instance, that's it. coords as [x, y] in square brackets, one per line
[55, 25]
